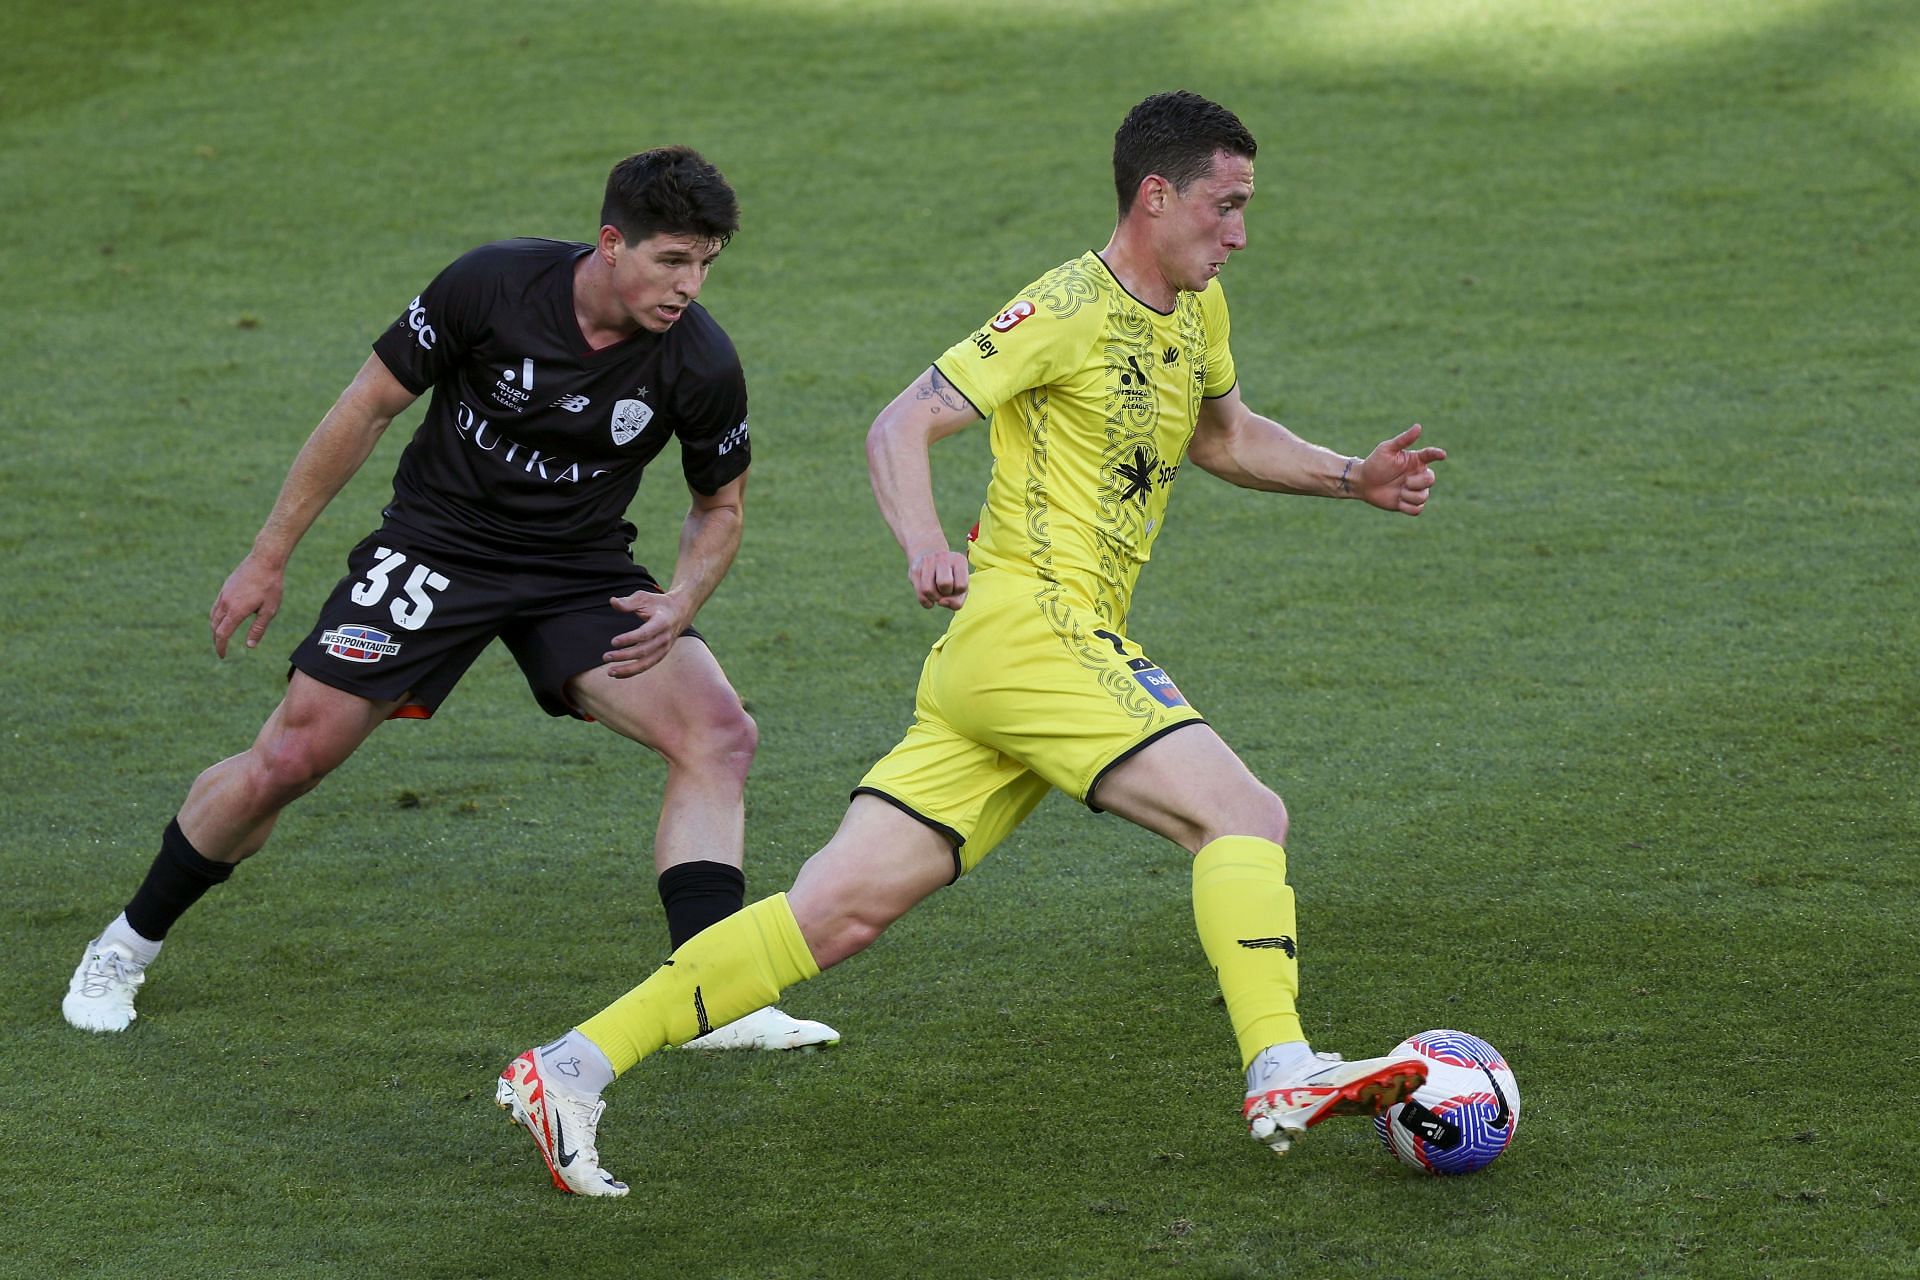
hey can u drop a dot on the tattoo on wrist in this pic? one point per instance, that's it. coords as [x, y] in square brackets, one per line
[1346, 486]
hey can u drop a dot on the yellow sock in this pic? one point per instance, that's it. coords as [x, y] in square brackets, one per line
[726, 971]
[1243, 910]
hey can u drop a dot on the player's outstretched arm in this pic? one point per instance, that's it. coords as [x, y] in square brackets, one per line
[709, 540]
[897, 463]
[1243, 448]
[332, 454]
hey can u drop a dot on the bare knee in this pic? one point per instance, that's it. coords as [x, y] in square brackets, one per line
[1271, 817]
[283, 768]
[847, 933]
[1257, 811]
[877, 866]
[719, 743]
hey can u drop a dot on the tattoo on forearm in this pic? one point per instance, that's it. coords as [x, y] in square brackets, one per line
[1346, 486]
[938, 388]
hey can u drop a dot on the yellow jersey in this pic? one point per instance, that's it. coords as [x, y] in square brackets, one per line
[1091, 397]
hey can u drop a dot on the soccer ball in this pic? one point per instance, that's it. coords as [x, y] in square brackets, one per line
[1463, 1116]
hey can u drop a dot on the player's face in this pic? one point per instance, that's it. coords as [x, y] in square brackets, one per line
[1207, 222]
[656, 279]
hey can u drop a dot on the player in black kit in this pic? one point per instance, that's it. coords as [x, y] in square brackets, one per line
[557, 372]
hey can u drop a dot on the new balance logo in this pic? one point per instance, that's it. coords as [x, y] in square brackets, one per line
[572, 404]
[1281, 943]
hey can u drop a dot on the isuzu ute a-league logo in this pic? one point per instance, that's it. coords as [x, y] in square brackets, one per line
[509, 395]
[356, 643]
[630, 418]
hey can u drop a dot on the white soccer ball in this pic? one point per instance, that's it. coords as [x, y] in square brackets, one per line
[1463, 1116]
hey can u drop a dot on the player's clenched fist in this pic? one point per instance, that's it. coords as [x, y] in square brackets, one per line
[939, 578]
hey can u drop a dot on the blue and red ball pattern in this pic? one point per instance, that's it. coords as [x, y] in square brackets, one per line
[1467, 1111]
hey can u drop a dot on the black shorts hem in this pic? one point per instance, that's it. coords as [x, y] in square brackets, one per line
[953, 837]
[410, 708]
[558, 706]
[1127, 755]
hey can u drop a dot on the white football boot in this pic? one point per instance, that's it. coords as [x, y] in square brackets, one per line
[1282, 1105]
[767, 1028]
[100, 994]
[563, 1124]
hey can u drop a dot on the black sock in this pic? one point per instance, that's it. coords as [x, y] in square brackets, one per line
[175, 881]
[698, 894]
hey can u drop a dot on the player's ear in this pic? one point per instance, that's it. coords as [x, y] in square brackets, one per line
[611, 242]
[1153, 194]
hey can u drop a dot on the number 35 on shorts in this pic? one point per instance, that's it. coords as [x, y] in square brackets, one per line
[414, 604]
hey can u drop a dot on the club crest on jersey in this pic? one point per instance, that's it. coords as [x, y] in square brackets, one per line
[630, 418]
[1012, 316]
[357, 643]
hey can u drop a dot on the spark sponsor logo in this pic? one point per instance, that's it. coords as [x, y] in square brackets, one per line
[417, 321]
[630, 418]
[733, 439]
[1012, 316]
[486, 437]
[1144, 474]
[356, 643]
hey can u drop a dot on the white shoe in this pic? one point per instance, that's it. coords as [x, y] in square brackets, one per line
[563, 1124]
[767, 1028]
[100, 995]
[1280, 1109]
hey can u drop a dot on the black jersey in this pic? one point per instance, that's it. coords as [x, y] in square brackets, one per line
[532, 441]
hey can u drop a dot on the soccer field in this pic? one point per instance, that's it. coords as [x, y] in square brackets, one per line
[1611, 758]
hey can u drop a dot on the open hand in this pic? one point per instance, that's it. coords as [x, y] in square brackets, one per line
[252, 590]
[663, 616]
[1396, 476]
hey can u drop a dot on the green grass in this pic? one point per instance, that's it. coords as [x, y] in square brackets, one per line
[1610, 758]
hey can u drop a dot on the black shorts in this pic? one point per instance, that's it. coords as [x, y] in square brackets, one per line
[410, 617]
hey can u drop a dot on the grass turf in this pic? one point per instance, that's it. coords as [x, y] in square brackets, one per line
[1609, 758]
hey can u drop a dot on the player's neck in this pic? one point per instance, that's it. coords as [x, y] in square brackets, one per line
[602, 322]
[1137, 269]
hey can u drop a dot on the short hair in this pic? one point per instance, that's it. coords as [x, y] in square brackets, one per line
[669, 191]
[1175, 135]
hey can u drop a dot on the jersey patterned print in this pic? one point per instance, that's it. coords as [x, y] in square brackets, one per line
[533, 443]
[1093, 398]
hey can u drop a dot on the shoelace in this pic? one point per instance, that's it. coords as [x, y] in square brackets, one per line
[103, 969]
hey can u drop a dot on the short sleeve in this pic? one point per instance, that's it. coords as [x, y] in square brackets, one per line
[1028, 344]
[440, 325]
[1221, 375]
[715, 444]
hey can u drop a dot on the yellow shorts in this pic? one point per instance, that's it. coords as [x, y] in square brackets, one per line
[1026, 690]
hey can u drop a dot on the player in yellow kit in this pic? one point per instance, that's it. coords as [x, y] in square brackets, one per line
[1099, 380]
